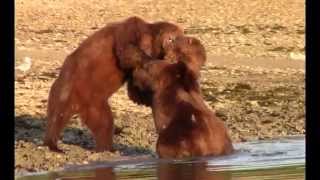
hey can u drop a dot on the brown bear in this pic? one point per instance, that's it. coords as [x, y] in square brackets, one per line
[93, 72]
[186, 126]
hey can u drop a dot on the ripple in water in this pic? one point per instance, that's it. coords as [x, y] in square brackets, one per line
[281, 159]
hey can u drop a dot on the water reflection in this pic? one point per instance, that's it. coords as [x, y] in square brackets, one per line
[163, 171]
[194, 171]
[278, 159]
[181, 171]
[105, 173]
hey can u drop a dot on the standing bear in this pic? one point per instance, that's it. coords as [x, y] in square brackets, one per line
[93, 72]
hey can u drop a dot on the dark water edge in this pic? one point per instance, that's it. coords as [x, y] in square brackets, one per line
[273, 159]
[295, 172]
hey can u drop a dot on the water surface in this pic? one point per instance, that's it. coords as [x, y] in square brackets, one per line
[279, 159]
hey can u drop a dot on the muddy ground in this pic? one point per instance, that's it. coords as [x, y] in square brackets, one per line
[254, 77]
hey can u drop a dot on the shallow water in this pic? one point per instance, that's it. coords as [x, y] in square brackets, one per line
[282, 159]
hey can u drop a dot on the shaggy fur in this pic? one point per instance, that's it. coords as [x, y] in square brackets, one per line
[96, 70]
[186, 126]
[183, 48]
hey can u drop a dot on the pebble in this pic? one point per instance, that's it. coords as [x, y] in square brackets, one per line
[297, 56]
[254, 103]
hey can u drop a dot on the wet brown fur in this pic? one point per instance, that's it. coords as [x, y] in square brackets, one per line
[94, 71]
[182, 48]
[186, 126]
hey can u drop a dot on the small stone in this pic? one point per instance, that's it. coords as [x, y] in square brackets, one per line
[297, 56]
[254, 103]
